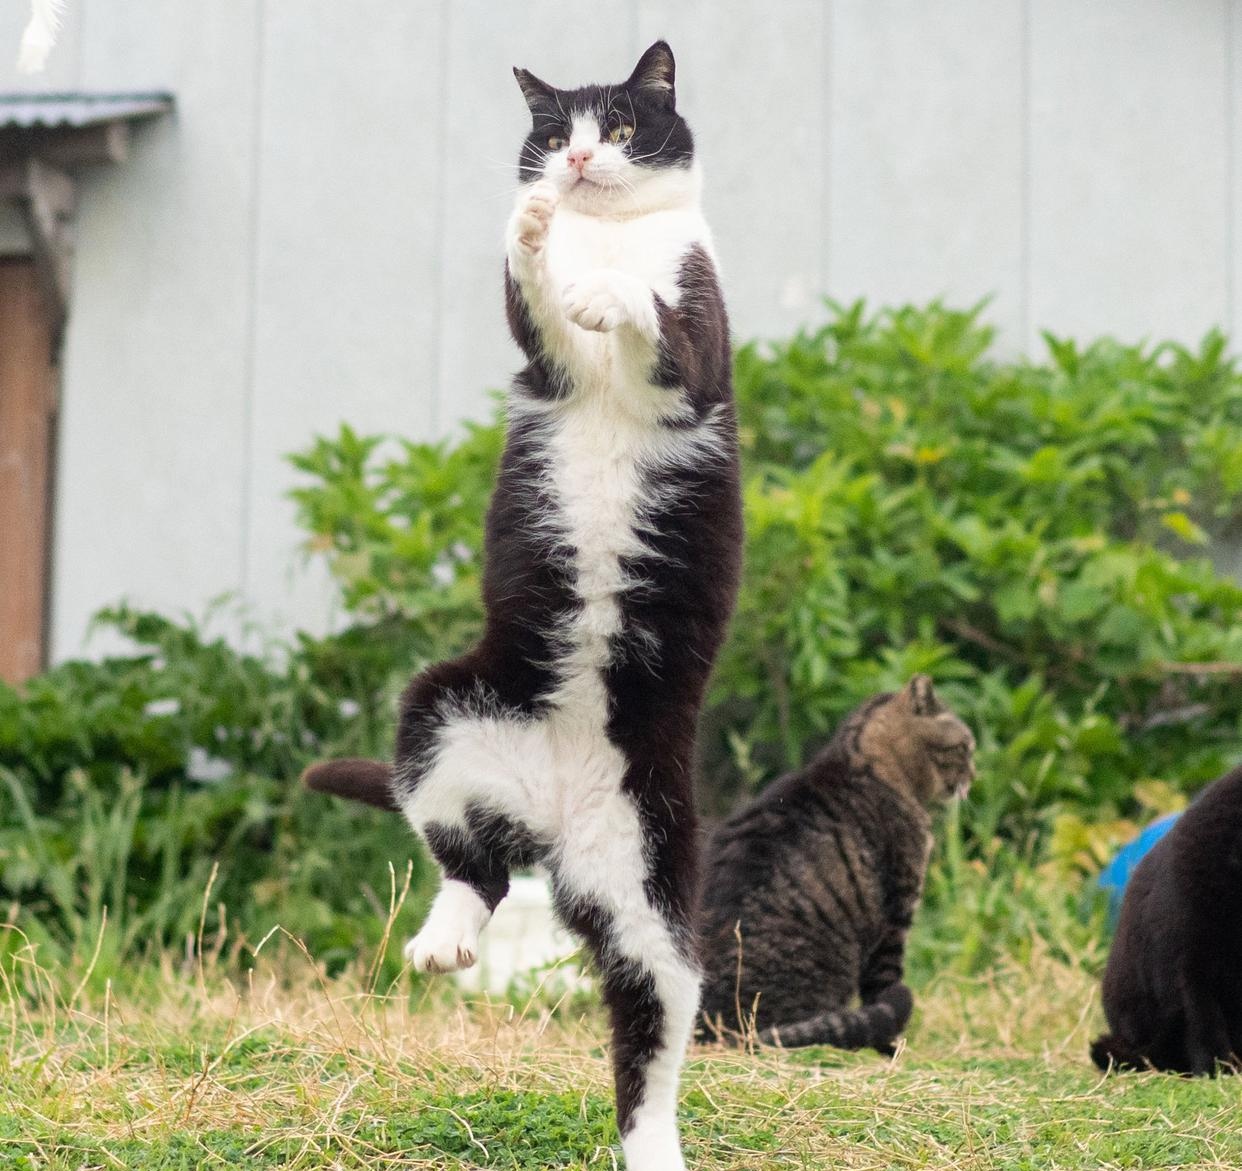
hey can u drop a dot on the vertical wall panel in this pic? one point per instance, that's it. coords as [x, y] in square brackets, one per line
[153, 426]
[1233, 154]
[347, 267]
[1129, 167]
[925, 167]
[751, 83]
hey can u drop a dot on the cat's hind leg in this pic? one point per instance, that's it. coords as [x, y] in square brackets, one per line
[461, 785]
[649, 978]
[476, 855]
[475, 880]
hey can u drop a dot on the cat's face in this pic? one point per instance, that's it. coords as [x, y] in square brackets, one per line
[917, 743]
[610, 149]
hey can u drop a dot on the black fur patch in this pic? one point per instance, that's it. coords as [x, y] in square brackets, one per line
[368, 781]
[483, 853]
[527, 594]
[543, 378]
[694, 340]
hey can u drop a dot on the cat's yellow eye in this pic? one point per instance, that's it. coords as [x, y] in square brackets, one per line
[555, 143]
[621, 133]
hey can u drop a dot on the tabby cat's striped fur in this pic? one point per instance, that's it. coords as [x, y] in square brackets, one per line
[810, 889]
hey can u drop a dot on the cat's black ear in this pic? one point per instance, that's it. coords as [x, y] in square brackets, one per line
[655, 75]
[923, 698]
[537, 93]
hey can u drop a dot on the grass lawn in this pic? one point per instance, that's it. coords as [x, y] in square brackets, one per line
[182, 1070]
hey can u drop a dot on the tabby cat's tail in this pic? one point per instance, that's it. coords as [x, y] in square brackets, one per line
[368, 781]
[875, 1025]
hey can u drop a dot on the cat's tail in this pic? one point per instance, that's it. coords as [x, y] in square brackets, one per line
[368, 781]
[1109, 1051]
[875, 1025]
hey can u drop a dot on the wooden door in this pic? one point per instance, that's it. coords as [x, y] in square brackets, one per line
[27, 413]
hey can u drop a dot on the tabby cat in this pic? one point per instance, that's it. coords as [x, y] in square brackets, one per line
[1173, 985]
[566, 737]
[811, 887]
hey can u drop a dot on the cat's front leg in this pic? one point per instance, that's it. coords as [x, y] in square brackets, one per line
[527, 236]
[608, 299]
[532, 295]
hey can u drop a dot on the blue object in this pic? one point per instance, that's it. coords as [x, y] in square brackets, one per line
[1116, 874]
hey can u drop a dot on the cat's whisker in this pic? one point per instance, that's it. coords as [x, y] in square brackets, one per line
[654, 153]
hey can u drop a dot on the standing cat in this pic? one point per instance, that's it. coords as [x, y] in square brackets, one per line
[1173, 985]
[566, 737]
[820, 876]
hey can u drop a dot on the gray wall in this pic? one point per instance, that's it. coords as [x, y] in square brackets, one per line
[316, 236]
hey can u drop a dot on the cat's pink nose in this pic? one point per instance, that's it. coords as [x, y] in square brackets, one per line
[580, 156]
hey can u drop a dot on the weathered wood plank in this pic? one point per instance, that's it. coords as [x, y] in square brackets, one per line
[26, 414]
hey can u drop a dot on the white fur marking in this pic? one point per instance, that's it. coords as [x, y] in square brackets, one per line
[607, 298]
[653, 1145]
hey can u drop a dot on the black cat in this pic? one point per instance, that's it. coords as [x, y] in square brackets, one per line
[1173, 985]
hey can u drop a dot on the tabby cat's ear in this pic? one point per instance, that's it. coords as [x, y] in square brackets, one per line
[655, 75]
[923, 698]
[537, 93]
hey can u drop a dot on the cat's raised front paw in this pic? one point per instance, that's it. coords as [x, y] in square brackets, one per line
[531, 219]
[605, 299]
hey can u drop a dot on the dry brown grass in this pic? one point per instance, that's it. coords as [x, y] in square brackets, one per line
[285, 1068]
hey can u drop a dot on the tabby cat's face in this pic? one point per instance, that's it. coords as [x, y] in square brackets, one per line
[912, 741]
[613, 148]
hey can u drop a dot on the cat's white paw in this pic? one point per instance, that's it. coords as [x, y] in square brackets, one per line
[653, 1146]
[604, 300]
[531, 219]
[449, 939]
[441, 947]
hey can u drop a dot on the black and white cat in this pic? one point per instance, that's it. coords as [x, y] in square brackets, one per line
[566, 737]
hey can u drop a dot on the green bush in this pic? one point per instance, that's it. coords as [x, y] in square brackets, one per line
[125, 784]
[1031, 535]
[1034, 535]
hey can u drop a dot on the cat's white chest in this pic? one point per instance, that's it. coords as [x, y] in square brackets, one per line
[650, 247]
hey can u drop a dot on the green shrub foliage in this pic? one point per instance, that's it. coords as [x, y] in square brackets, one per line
[1035, 536]
[1038, 536]
[163, 787]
